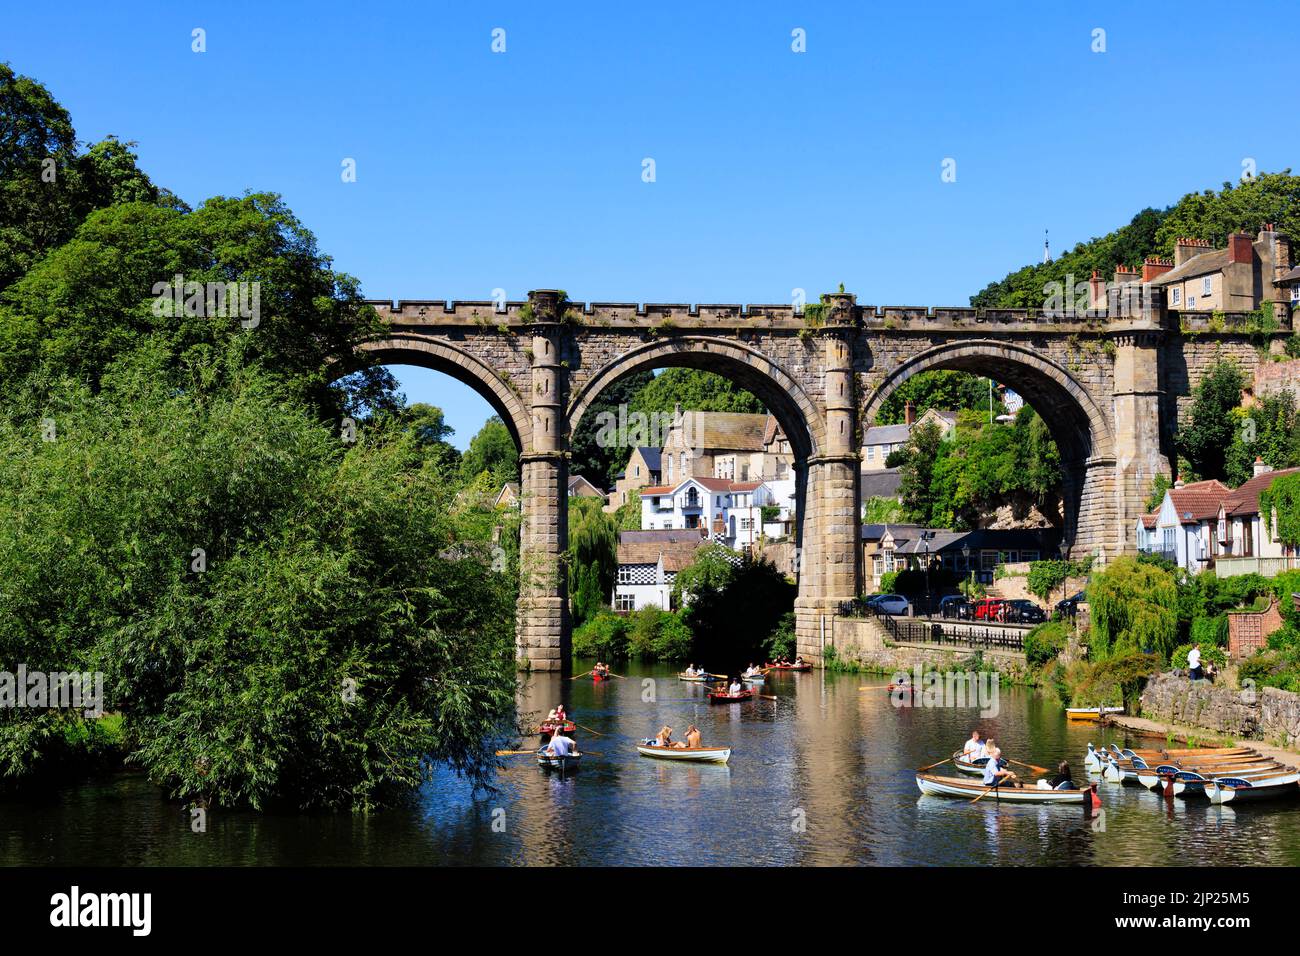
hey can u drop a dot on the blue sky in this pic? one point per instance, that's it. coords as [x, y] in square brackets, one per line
[774, 169]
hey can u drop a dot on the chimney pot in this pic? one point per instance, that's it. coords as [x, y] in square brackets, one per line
[909, 414]
[1261, 468]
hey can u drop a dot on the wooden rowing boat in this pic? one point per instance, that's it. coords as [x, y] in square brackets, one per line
[1131, 769]
[1090, 713]
[548, 728]
[756, 679]
[551, 762]
[1193, 783]
[1237, 789]
[699, 678]
[696, 754]
[1154, 777]
[1095, 759]
[969, 789]
[788, 667]
[716, 697]
[973, 769]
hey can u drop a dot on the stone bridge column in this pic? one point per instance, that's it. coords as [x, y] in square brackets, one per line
[830, 559]
[543, 627]
[1138, 458]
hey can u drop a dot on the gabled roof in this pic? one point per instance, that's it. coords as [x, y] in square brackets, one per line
[882, 483]
[579, 485]
[1149, 521]
[676, 546]
[723, 431]
[1198, 501]
[651, 457]
[1204, 264]
[886, 434]
[1244, 500]
[1292, 276]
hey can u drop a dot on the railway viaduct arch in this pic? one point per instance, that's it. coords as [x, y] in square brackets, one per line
[1109, 387]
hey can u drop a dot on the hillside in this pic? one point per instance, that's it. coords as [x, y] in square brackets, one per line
[1209, 215]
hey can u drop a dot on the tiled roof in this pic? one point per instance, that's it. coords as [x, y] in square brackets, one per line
[1292, 276]
[886, 435]
[676, 546]
[1205, 263]
[1199, 501]
[1245, 499]
[1149, 521]
[650, 456]
[724, 431]
[657, 490]
[882, 483]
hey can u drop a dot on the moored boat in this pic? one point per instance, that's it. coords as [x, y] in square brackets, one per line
[1237, 789]
[696, 754]
[701, 678]
[969, 790]
[973, 768]
[552, 762]
[1091, 713]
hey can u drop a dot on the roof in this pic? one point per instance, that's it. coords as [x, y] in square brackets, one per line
[724, 431]
[883, 483]
[1292, 276]
[907, 538]
[675, 546]
[770, 429]
[886, 434]
[1205, 263]
[579, 484]
[874, 532]
[1149, 521]
[509, 489]
[1245, 499]
[657, 490]
[651, 456]
[1198, 501]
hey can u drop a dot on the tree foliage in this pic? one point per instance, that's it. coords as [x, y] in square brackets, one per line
[1134, 609]
[1211, 423]
[592, 558]
[491, 452]
[942, 389]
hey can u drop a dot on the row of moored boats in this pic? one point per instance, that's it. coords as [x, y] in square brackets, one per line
[1221, 774]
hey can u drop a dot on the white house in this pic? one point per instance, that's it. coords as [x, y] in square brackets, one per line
[730, 512]
[1184, 528]
[648, 562]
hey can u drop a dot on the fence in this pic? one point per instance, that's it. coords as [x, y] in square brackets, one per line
[905, 630]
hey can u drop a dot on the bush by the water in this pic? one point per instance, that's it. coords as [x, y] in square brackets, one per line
[1046, 641]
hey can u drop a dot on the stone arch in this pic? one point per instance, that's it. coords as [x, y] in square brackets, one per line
[783, 394]
[1082, 431]
[465, 368]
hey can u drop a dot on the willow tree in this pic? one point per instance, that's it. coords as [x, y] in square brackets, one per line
[1134, 609]
[592, 558]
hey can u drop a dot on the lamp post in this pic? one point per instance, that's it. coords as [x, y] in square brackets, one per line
[925, 556]
[965, 556]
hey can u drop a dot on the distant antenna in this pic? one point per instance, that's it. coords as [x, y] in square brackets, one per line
[1047, 249]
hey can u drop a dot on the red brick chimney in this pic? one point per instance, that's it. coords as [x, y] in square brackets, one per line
[1240, 249]
[1096, 291]
[909, 414]
[1153, 266]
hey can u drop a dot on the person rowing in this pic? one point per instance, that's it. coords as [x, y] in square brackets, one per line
[601, 670]
[798, 661]
[692, 739]
[996, 776]
[752, 671]
[691, 671]
[734, 688]
[561, 746]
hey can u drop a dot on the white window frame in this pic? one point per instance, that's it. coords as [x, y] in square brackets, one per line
[1177, 295]
[1207, 285]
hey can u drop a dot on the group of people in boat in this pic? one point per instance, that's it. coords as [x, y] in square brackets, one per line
[665, 738]
[601, 669]
[557, 716]
[996, 770]
[784, 661]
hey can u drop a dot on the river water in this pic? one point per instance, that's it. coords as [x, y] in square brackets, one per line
[823, 775]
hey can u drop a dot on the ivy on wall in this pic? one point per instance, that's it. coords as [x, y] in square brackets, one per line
[1281, 499]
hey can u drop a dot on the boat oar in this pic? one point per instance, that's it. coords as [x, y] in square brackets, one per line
[1029, 765]
[619, 676]
[576, 676]
[985, 793]
[933, 765]
[513, 753]
[588, 729]
[768, 696]
[874, 687]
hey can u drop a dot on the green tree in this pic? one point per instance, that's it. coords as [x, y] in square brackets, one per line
[1134, 608]
[492, 452]
[1269, 429]
[1211, 424]
[943, 389]
[592, 558]
[596, 461]
[693, 389]
[917, 475]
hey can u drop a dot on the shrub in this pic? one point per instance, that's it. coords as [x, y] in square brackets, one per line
[1210, 632]
[1045, 642]
[604, 636]
[1209, 653]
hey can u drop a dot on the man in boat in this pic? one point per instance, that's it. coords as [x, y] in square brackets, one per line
[690, 670]
[600, 670]
[735, 687]
[974, 748]
[995, 775]
[561, 746]
[798, 661]
[692, 739]
[751, 671]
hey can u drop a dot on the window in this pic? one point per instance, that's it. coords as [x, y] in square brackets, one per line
[1028, 555]
[1295, 293]
[624, 602]
[744, 473]
[988, 560]
[871, 452]
[1177, 297]
[1205, 286]
[1168, 544]
[746, 524]
[1191, 302]
[877, 566]
[636, 471]
[889, 559]
[624, 574]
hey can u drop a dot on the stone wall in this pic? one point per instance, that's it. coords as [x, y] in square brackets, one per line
[1268, 714]
[865, 642]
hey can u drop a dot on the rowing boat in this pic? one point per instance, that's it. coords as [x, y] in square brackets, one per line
[957, 787]
[1132, 769]
[715, 697]
[788, 667]
[552, 762]
[699, 678]
[1237, 789]
[1095, 758]
[756, 679]
[1153, 777]
[1090, 713]
[973, 768]
[549, 728]
[697, 754]
[1192, 783]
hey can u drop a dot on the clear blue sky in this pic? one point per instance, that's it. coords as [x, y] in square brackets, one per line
[775, 170]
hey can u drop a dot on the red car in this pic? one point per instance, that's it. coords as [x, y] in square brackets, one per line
[991, 609]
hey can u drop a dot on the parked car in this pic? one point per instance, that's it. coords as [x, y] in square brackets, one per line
[1025, 612]
[890, 604]
[1070, 606]
[991, 609]
[954, 605]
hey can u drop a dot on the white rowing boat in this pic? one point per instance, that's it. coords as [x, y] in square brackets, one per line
[1091, 713]
[972, 768]
[1237, 789]
[552, 762]
[697, 754]
[968, 789]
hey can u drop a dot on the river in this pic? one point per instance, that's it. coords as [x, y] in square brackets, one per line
[823, 776]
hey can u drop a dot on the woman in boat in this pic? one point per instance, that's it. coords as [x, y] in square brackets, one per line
[798, 661]
[1063, 779]
[690, 671]
[665, 737]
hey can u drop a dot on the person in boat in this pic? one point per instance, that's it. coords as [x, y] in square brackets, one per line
[664, 737]
[559, 716]
[691, 671]
[798, 661]
[734, 687]
[996, 775]
[561, 746]
[599, 669]
[1063, 780]
[974, 748]
[751, 671]
[550, 718]
[692, 737]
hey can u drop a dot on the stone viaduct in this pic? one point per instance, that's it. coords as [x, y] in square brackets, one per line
[1109, 386]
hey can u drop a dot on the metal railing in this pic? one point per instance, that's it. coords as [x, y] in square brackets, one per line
[911, 630]
[1226, 567]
